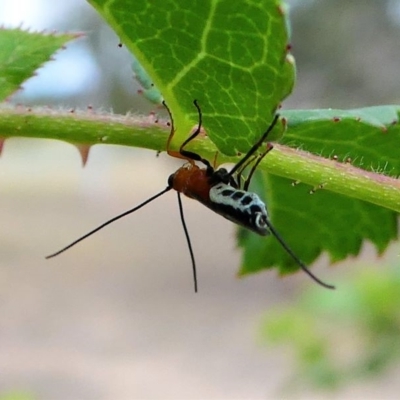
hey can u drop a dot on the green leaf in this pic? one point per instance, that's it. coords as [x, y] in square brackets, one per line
[230, 56]
[369, 137]
[21, 53]
[326, 221]
[312, 224]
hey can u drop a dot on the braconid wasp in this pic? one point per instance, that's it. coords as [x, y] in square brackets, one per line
[220, 190]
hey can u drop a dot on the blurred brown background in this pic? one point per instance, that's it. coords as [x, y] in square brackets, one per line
[116, 317]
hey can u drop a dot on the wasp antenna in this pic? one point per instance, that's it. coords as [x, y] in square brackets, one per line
[255, 146]
[195, 133]
[189, 154]
[295, 258]
[109, 222]
[188, 241]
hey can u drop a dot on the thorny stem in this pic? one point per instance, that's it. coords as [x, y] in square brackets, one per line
[88, 128]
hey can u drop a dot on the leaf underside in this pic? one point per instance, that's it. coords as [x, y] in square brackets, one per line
[230, 56]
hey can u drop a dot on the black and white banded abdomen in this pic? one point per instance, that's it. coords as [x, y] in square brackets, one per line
[241, 207]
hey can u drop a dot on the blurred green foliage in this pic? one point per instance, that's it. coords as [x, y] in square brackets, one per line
[16, 395]
[336, 338]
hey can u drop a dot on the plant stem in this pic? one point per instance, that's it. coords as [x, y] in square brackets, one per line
[89, 128]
